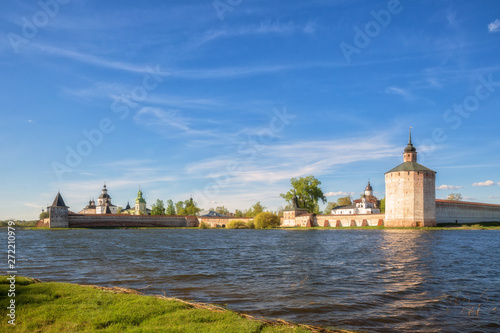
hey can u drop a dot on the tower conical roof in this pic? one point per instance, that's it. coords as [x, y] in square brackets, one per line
[58, 201]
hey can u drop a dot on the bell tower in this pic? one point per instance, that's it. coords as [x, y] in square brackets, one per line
[410, 191]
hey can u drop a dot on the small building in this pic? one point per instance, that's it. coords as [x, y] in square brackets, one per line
[210, 213]
[140, 205]
[344, 210]
[367, 204]
[290, 216]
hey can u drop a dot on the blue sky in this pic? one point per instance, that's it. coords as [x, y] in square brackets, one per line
[227, 100]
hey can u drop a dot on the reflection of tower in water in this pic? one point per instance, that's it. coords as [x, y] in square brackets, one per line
[405, 261]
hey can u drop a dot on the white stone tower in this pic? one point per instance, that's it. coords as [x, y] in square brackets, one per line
[410, 193]
[58, 213]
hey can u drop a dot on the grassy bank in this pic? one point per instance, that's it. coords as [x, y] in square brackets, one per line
[63, 307]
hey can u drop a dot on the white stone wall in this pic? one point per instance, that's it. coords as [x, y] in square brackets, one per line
[466, 212]
[410, 199]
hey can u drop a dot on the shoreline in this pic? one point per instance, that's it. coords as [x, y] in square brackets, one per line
[59, 305]
[444, 226]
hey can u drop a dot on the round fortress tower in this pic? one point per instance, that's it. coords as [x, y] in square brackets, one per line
[410, 192]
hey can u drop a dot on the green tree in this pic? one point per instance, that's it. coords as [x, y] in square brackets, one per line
[329, 207]
[119, 210]
[382, 205]
[179, 208]
[266, 220]
[238, 213]
[237, 224]
[222, 210]
[255, 210]
[344, 201]
[44, 215]
[203, 225]
[191, 208]
[454, 197]
[308, 192]
[170, 208]
[158, 208]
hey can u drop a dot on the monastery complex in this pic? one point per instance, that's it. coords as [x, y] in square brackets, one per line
[410, 201]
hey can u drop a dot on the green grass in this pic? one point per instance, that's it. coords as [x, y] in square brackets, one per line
[63, 307]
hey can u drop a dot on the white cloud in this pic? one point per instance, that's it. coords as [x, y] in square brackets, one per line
[33, 205]
[486, 183]
[264, 28]
[30, 121]
[398, 91]
[451, 17]
[277, 162]
[494, 26]
[448, 187]
[93, 60]
[166, 121]
[339, 193]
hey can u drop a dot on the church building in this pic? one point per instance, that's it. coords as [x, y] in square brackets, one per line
[367, 204]
[104, 205]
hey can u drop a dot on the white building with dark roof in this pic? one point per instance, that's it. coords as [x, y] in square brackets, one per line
[367, 204]
[104, 205]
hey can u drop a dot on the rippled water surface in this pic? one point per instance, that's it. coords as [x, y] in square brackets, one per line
[373, 280]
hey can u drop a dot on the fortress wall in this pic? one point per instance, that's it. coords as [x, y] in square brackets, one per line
[448, 211]
[43, 223]
[361, 220]
[124, 220]
[221, 222]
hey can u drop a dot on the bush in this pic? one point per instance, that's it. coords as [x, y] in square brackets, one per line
[236, 224]
[203, 225]
[266, 220]
[251, 225]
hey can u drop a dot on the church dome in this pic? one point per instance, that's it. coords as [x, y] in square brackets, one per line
[368, 187]
[409, 148]
[139, 198]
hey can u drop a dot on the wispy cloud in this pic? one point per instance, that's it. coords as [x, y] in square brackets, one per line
[278, 162]
[339, 193]
[486, 183]
[399, 91]
[264, 28]
[448, 187]
[494, 26]
[33, 205]
[451, 18]
[165, 121]
[94, 60]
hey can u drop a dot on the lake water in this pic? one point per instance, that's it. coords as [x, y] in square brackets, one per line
[373, 280]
